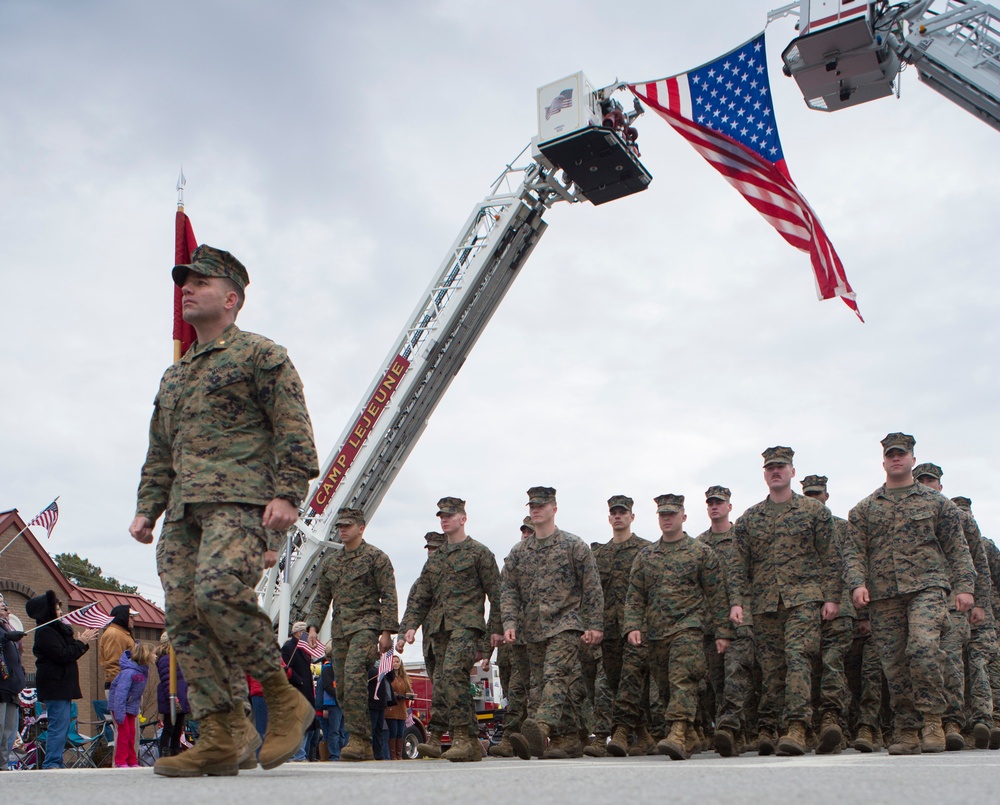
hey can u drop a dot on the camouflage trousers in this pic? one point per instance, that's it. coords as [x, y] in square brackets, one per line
[437, 723]
[353, 655]
[788, 644]
[518, 693]
[735, 678]
[830, 678]
[598, 701]
[555, 663]
[455, 652]
[678, 663]
[993, 666]
[954, 639]
[907, 631]
[209, 563]
[864, 680]
[627, 670]
[979, 696]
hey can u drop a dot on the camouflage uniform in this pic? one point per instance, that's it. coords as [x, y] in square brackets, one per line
[785, 567]
[551, 594]
[359, 588]
[447, 600]
[906, 547]
[672, 587]
[732, 674]
[993, 664]
[836, 637]
[626, 666]
[229, 433]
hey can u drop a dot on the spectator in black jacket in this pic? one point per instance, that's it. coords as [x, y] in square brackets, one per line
[56, 651]
[11, 680]
[300, 675]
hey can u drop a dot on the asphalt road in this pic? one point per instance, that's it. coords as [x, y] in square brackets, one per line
[961, 777]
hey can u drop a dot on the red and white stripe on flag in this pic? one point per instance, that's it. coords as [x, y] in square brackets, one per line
[47, 518]
[89, 617]
[316, 652]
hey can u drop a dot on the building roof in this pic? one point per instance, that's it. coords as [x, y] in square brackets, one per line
[149, 615]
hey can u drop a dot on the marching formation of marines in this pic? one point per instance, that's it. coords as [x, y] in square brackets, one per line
[775, 634]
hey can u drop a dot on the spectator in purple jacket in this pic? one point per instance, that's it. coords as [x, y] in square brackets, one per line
[125, 699]
[170, 737]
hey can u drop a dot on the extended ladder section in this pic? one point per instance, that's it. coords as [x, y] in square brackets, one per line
[957, 53]
[497, 239]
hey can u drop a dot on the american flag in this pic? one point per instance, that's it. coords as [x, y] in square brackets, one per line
[89, 617]
[47, 518]
[316, 652]
[384, 667]
[564, 100]
[724, 110]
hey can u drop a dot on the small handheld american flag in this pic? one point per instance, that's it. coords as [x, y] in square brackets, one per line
[89, 617]
[47, 518]
[316, 652]
[384, 667]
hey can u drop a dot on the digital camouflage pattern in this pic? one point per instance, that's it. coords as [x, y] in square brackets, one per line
[451, 590]
[353, 654]
[598, 700]
[982, 593]
[555, 663]
[672, 587]
[954, 642]
[229, 425]
[898, 441]
[447, 601]
[905, 544]
[724, 545]
[614, 562]
[551, 585]
[359, 587]
[209, 562]
[907, 632]
[211, 262]
[678, 663]
[788, 648]
[785, 556]
[455, 650]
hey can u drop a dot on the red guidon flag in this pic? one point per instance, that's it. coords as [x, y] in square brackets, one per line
[724, 110]
[184, 245]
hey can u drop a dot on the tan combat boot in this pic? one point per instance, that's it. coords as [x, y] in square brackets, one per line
[932, 735]
[864, 741]
[618, 745]
[245, 736]
[725, 742]
[288, 715]
[794, 741]
[431, 747]
[953, 739]
[598, 746]
[642, 744]
[830, 735]
[562, 747]
[676, 743]
[464, 749]
[766, 742]
[214, 753]
[536, 733]
[995, 736]
[907, 743]
[501, 749]
[357, 750]
[696, 740]
[980, 735]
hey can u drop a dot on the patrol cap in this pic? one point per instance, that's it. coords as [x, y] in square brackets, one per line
[898, 441]
[778, 455]
[451, 506]
[927, 468]
[541, 494]
[814, 483]
[212, 262]
[349, 517]
[718, 492]
[669, 503]
[963, 502]
[620, 502]
[434, 539]
[527, 523]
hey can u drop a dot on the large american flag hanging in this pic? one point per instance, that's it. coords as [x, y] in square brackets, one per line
[724, 110]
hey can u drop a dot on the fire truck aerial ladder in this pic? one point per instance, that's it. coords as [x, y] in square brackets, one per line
[586, 151]
[850, 51]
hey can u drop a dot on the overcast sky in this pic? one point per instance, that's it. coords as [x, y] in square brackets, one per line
[654, 344]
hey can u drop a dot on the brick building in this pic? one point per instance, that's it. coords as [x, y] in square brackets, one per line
[27, 570]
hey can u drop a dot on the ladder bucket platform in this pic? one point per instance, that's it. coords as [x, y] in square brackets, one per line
[598, 162]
